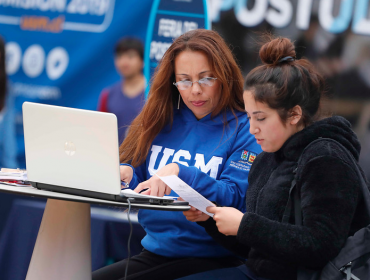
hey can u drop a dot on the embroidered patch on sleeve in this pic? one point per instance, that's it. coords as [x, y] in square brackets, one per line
[248, 156]
[245, 162]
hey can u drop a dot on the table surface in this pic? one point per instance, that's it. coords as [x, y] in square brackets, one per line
[31, 191]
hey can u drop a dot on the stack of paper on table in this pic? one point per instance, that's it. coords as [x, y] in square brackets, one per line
[13, 177]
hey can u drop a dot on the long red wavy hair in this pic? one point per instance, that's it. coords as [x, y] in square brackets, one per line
[163, 95]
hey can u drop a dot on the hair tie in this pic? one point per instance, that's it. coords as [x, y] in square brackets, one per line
[287, 58]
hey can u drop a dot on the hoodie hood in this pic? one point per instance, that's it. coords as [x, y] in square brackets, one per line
[336, 128]
[188, 116]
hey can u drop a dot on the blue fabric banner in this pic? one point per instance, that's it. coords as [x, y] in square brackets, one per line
[61, 52]
[168, 20]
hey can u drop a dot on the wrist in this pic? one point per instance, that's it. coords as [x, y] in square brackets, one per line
[176, 168]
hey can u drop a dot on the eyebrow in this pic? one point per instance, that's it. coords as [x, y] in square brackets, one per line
[198, 73]
[256, 112]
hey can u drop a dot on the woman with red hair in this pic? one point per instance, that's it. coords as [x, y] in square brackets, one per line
[193, 126]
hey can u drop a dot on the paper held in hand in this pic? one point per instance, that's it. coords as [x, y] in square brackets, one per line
[187, 193]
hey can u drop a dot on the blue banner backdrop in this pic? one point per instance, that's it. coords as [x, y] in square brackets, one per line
[168, 20]
[61, 52]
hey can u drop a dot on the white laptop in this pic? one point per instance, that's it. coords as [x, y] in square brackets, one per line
[74, 151]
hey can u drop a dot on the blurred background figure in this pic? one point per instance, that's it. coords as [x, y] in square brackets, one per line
[126, 98]
[8, 150]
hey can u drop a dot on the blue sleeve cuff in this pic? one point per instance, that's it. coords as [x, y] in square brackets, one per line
[134, 182]
[187, 173]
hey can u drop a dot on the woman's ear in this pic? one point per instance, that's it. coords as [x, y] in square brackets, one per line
[295, 115]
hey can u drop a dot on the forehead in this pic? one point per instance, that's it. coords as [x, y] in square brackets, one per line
[187, 62]
[251, 105]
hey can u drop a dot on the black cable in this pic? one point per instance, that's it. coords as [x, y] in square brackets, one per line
[129, 237]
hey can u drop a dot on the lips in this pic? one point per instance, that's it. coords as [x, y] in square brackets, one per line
[259, 141]
[198, 103]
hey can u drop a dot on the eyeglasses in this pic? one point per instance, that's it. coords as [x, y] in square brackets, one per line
[205, 82]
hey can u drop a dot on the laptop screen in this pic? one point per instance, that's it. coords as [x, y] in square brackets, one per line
[71, 148]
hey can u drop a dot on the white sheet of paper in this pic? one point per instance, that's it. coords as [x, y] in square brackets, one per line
[131, 193]
[187, 193]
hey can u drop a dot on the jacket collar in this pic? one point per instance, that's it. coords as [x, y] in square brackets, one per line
[337, 128]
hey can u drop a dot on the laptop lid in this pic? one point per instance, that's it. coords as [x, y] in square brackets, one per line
[71, 148]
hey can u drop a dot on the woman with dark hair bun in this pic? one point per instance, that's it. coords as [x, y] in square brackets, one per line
[282, 99]
[193, 125]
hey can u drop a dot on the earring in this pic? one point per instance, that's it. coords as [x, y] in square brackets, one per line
[178, 103]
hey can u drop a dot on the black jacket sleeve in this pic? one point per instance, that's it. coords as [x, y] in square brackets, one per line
[328, 198]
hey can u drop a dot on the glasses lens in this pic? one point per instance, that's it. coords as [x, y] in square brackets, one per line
[207, 82]
[183, 85]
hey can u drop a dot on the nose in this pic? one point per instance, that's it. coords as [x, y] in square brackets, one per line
[196, 88]
[253, 129]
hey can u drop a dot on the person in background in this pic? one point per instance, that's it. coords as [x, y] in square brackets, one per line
[8, 145]
[282, 99]
[126, 98]
[193, 126]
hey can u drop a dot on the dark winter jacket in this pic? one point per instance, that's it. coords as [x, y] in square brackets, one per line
[330, 198]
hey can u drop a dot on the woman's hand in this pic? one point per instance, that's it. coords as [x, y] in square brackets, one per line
[227, 219]
[156, 186]
[195, 215]
[126, 173]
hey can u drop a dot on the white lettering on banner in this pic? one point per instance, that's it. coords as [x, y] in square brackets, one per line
[93, 7]
[171, 28]
[341, 22]
[361, 24]
[304, 8]
[251, 17]
[42, 5]
[211, 166]
[82, 7]
[279, 13]
[36, 91]
[104, 8]
[157, 49]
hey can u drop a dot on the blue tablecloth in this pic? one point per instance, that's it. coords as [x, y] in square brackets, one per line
[109, 234]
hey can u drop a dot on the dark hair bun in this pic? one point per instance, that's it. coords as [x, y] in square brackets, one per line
[275, 50]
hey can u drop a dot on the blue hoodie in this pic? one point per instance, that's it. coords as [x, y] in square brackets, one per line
[214, 160]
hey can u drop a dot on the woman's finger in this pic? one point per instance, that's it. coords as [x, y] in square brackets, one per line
[153, 189]
[161, 189]
[140, 187]
[168, 190]
[211, 209]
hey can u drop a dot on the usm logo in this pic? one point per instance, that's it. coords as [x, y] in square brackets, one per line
[248, 156]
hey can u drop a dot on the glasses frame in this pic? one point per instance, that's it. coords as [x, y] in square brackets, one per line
[200, 84]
